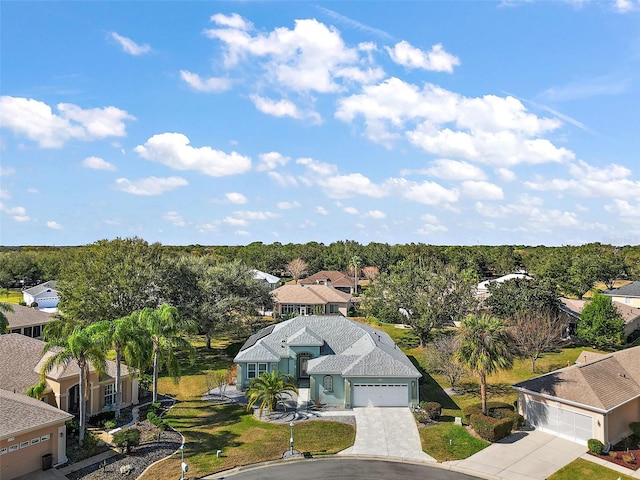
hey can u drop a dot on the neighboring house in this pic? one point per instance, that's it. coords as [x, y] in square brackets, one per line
[596, 398]
[27, 321]
[346, 363]
[573, 309]
[482, 290]
[331, 278]
[267, 278]
[310, 300]
[21, 359]
[628, 294]
[32, 435]
[45, 295]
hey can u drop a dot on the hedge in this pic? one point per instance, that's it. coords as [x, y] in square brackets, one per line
[491, 406]
[500, 413]
[489, 428]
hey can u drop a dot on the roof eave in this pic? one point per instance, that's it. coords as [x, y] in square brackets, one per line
[561, 400]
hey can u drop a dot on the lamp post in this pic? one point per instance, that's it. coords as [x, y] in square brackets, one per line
[291, 439]
[183, 466]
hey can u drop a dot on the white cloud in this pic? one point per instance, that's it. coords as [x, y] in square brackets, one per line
[288, 205]
[22, 218]
[175, 218]
[588, 87]
[54, 225]
[282, 179]
[351, 210]
[376, 214]
[242, 233]
[347, 186]
[505, 174]
[355, 24]
[7, 171]
[322, 211]
[236, 222]
[625, 6]
[431, 225]
[150, 186]
[271, 160]
[276, 108]
[19, 214]
[232, 21]
[33, 190]
[4, 194]
[454, 170]
[315, 167]
[209, 85]
[97, 163]
[436, 59]
[253, 215]
[482, 190]
[624, 209]
[531, 217]
[36, 120]
[236, 198]
[174, 151]
[129, 46]
[427, 193]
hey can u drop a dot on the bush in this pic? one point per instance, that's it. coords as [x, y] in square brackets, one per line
[110, 424]
[500, 413]
[99, 418]
[470, 410]
[126, 439]
[491, 407]
[156, 420]
[421, 416]
[489, 428]
[635, 428]
[595, 446]
[433, 409]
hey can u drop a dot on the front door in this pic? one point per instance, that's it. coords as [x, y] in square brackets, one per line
[303, 359]
[303, 309]
[74, 399]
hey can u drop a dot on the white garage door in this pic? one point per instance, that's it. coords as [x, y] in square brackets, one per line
[573, 426]
[380, 395]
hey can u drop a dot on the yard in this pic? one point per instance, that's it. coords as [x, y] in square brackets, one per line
[581, 469]
[209, 427]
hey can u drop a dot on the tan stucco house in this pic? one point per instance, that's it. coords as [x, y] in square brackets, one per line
[596, 398]
[33, 435]
[21, 359]
[331, 278]
[628, 294]
[310, 300]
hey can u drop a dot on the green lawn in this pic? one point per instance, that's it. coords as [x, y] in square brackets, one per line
[446, 441]
[583, 469]
[11, 296]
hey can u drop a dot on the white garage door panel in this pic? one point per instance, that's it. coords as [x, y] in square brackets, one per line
[567, 424]
[380, 395]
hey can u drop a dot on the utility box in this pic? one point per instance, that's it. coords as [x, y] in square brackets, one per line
[47, 461]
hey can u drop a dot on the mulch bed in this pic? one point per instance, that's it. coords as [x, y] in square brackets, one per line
[617, 459]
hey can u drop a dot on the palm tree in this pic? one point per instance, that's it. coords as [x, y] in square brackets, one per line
[81, 348]
[165, 327]
[4, 321]
[129, 342]
[355, 263]
[484, 349]
[270, 388]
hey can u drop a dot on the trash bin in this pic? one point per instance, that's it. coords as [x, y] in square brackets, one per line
[47, 461]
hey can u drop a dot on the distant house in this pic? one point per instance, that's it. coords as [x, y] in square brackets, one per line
[627, 294]
[267, 278]
[310, 299]
[32, 435]
[45, 295]
[573, 308]
[596, 398]
[27, 321]
[482, 290]
[331, 278]
[21, 359]
[342, 362]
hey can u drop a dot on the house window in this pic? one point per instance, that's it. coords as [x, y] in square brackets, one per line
[27, 331]
[334, 308]
[251, 370]
[37, 331]
[627, 300]
[109, 395]
[262, 368]
[16, 330]
[287, 308]
[327, 383]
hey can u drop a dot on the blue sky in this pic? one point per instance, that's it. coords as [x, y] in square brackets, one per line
[232, 122]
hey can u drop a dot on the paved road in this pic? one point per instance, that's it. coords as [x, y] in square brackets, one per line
[344, 468]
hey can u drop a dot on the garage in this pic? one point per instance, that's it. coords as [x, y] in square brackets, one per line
[556, 420]
[380, 395]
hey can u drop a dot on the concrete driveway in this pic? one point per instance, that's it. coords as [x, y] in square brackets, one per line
[530, 455]
[387, 432]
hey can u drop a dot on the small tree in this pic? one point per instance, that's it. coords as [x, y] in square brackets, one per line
[601, 324]
[536, 332]
[297, 268]
[270, 388]
[441, 358]
[127, 439]
[370, 272]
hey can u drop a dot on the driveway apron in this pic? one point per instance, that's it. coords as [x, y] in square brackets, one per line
[530, 455]
[387, 432]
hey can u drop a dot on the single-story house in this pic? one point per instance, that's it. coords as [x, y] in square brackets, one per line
[331, 278]
[482, 289]
[344, 363]
[628, 294]
[45, 295]
[27, 321]
[596, 398]
[310, 300]
[573, 309]
[264, 277]
[21, 359]
[32, 435]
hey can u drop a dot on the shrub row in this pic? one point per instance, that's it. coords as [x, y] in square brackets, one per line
[99, 418]
[156, 420]
[491, 406]
[489, 428]
[500, 413]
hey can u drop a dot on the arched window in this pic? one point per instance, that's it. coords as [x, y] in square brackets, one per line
[327, 383]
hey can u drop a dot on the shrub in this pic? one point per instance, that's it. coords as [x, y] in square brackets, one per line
[110, 424]
[627, 458]
[433, 409]
[500, 413]
[491, 429]
[421, 416]
[99, 418]
[471, 410]
[491, 407]
[635, 428]
[595, 446]
[156, 420]
[126, 439]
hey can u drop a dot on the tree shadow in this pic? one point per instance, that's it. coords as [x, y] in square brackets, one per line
[430, 390]
[473, 388]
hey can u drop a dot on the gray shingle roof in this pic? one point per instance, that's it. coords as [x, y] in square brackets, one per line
[20, 413]
[603, 383]
[305, 337]
[25, 316]
[629, 290]
[348, 347]
[43, 287]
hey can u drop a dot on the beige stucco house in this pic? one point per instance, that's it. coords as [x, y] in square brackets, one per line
[628, 294]
[596, 398]
[32, 435]
[310, 300]
[21, 359]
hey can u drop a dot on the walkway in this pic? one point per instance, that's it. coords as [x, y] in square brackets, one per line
[387, 432]
[530, 455]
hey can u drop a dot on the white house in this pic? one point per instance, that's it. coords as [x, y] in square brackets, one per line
[45, 295]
